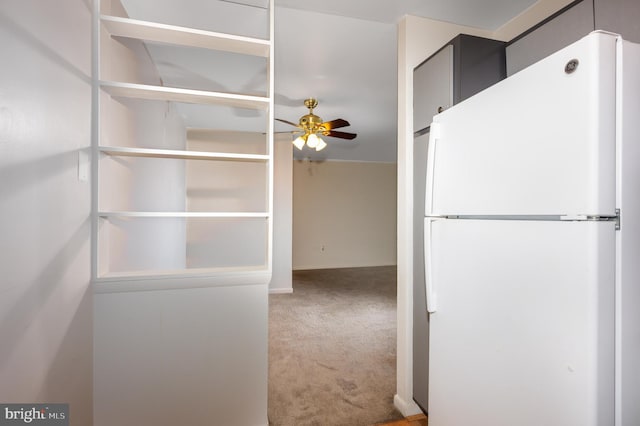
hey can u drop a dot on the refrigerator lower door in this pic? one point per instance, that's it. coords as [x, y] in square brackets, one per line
[523, 329]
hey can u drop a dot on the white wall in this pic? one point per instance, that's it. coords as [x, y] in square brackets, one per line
[45, 299]
[343, 214]
[419, 38]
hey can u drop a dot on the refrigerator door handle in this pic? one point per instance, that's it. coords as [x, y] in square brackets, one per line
[428, 274]
[434, 135]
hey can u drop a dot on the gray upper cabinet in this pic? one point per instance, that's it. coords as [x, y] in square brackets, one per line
[569, 25]
[565, 28]
[619, 16]
[432, 87]
[462, 68]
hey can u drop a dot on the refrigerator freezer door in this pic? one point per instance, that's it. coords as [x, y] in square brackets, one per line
[523, 333]
[541, 142]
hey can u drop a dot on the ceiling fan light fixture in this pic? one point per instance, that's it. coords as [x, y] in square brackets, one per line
[313, 140]
[312, 127]
[299, 142]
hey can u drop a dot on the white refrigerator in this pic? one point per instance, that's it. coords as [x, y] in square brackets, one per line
[532, 245]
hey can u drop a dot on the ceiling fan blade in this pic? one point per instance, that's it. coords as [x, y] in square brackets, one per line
[287, 122]
[341, 135]
[335, 124]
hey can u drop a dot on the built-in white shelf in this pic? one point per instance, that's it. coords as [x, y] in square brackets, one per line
[186, 155]
[114, 270]
[132, 214]
[181, 279]
[161, 93]
[152, 31]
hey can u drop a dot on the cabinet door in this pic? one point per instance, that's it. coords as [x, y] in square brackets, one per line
[420, 317]
[550, 37]
[432, 87]
[619, 16]
[477, 64]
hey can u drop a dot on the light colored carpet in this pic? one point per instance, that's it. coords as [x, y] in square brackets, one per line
[332, 349]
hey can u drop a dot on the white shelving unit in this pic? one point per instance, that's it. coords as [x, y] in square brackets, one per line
[110, 23]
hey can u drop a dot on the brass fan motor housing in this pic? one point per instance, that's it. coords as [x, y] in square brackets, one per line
[311, 122]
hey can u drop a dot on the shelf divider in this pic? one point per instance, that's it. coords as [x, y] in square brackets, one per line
[137, 214]
[186, 155]
[182, 36]
[145, 91]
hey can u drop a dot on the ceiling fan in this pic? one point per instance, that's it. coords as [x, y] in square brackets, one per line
[312, 127]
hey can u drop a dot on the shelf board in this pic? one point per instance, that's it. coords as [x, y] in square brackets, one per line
[132, 214]
[186, 155]
[152, 31]
[115, 282]
[145, 91]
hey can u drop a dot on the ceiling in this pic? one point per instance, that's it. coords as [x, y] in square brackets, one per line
[488, 14]
[344, 53]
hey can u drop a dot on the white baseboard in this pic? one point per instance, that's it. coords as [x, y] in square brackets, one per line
[406, 408]
[280, 290]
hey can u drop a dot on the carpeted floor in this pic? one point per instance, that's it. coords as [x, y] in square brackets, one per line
[332, 349]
